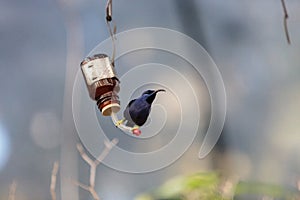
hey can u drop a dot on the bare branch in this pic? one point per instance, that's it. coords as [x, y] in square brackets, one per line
[88, 188]
[285, 18]
[53, 180]
[93, 166]
[94, 193]
[85, 187]
[108, 146]
[12, 191]
[84, 155]
[93, 175]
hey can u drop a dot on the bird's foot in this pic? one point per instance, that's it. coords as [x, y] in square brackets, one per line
[136, 131]
[120, 122]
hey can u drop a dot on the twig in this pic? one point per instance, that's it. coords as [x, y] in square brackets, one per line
[285, 18]
[53, 180]
[12, 191]
[85, 187]
[88, 188]
[108, 146]
[93, 166]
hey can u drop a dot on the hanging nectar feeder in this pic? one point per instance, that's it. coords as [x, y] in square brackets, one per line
[102, 83]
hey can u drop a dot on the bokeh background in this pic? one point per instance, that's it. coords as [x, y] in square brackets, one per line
[43, 42]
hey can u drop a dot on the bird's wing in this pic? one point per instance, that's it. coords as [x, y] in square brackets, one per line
[127, 115]
[139, 111]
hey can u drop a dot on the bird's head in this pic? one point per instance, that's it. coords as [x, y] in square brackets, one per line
[150, 95]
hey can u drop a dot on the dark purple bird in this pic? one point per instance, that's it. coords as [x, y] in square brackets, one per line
[138, 110]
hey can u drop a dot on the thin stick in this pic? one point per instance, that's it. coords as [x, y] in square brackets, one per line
[94, 193]
[53, 180]
[84, 156]
[285, 18]
[85, 187]
[93, 166]
[108, 146]
[12, 191]
[89, 189]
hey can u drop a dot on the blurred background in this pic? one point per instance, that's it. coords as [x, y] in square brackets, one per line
[43, 42]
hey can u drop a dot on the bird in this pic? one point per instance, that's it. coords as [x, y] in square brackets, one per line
[137, 111]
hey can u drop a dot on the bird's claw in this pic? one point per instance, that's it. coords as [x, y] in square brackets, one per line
[119, 122]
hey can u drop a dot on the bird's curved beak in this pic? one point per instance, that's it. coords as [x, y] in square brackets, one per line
[160, 90]
[152, 96]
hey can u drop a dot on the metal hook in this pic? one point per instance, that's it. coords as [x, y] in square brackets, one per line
[109, 10]
[111, 32]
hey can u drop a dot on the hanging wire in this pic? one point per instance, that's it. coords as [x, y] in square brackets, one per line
[112, 32]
